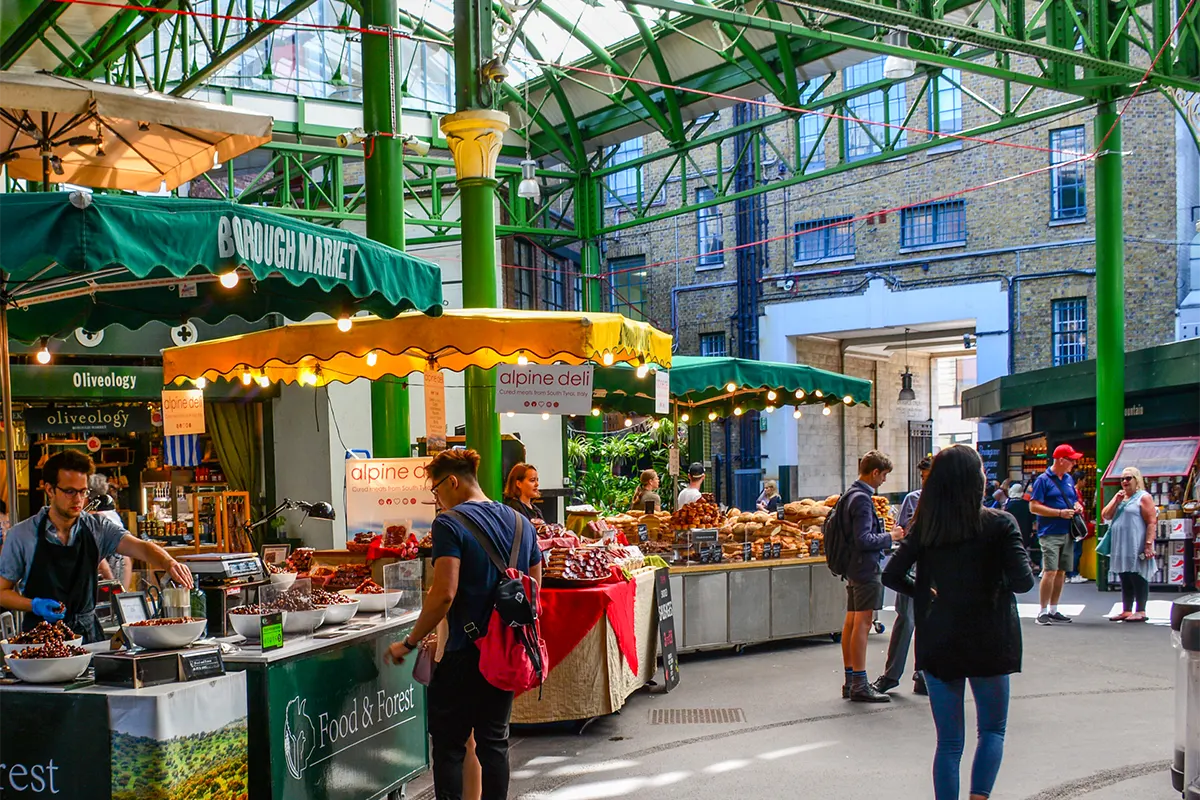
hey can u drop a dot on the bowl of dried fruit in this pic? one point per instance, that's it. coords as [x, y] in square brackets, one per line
[52, 662]
[165, 634]
[247, 620]
[283, 580]
[338, 607]
[371, 597]
[43, 633]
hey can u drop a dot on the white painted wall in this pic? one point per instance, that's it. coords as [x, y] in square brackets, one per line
[878, 307]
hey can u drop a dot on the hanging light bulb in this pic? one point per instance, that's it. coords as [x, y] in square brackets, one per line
[818, 393]
[528, 188]
[264, 381]
[522, 360]
[771, 395]
[737, 412]
[43, 353]
[712, 416]
[799, 394]
[643, 370]
[684, 417]
[796, 414]
[247, 378]
[595, 412]
[628, 422]
[731, 387]
[656, 424]
[770, 409]
[229, 279]
[545, 416]
[826, 411]
[343, 323]
[201, 382]
[372, 358]
[511, 414]
[847, 399]
[607, 359]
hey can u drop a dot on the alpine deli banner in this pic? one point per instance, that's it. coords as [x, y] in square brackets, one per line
[544, 389]
[388, 495]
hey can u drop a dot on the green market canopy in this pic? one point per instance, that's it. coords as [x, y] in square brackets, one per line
[76, 260]
[721, 386]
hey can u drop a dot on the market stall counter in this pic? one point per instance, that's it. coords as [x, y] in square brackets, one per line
[178, 740]
[602, 643]
[330, 717]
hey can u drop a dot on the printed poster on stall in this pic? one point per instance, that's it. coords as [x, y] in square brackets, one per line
[662, 392]
[183, 411]
[543, 389]
[435, 411]
[388, 495]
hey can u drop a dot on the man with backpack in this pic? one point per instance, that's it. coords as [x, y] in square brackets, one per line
[469, 590]
[855, 543]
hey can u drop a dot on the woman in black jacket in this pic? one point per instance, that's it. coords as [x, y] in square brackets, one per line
[970, 560]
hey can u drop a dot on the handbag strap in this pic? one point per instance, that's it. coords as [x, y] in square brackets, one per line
[486, 543]
[1062, 489]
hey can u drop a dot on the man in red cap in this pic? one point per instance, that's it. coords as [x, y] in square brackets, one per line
[1054, 501]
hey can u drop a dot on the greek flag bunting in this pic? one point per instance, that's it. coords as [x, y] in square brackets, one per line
[182, 451]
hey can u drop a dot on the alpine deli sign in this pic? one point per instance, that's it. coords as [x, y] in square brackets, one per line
[281, 247]
[544, 389]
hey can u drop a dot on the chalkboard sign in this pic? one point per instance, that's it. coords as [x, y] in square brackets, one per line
[666, 628]
[776, 550]
[779, 515]
[989, 453]
[704, 536]
[201, 664]
[747, 552]
[643, 533]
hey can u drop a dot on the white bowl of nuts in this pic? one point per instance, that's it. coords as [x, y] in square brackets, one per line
[53, 662]
[166, 634]
[247, 620]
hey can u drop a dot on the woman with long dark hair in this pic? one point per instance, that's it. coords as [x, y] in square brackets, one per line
[521, 489]
[970, 560]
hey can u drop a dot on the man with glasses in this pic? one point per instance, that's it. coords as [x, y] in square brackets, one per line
[1055, 502]
[461, 701]
[49, 562]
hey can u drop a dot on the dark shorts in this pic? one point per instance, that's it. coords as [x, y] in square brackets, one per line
[864, 596]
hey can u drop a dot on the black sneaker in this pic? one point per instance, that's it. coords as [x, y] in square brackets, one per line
[883, 684]
[867, 694]
[1057, 617]
[1045, 619]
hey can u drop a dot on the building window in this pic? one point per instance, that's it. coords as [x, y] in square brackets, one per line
[554, 286]
[710, 231]
[713, 344]
[819, 239]
[522, 277]
[624, 186]
[577, 292]
[934, 223]
[627, 276]
[862, 138]
[1068, 199]
[949, 102]
[1070, 330]
[809, 138]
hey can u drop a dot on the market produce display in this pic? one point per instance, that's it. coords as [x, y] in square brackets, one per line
[301, 559]
[368, 587]
[274, 569]
[159, 623]
[347, 576]
[54, 649]
[586, 565]
[362, 542]
[321, 597]
[704, 513]
[254, 609]
[43, 633]
[395, 536]
[292, 600]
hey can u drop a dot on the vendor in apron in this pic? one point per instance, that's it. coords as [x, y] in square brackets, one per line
[48, 564]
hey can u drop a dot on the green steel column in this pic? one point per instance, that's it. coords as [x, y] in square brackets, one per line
[385, 200]
[593, 300]
[1110, 289]
[477, 196]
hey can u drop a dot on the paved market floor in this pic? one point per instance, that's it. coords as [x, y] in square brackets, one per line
[1091, 718]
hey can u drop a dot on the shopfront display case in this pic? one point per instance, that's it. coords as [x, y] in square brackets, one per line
[1169, 469]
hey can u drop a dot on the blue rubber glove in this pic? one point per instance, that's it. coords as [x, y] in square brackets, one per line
[47, 609]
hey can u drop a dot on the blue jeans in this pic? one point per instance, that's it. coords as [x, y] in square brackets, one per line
[991, 706]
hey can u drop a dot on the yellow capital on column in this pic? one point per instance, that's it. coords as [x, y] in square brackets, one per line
[475, 138]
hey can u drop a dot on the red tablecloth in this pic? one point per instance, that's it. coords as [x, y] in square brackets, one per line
[568, 614]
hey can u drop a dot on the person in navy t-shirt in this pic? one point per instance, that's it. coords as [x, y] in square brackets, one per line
[460, 699]
[1055, 502]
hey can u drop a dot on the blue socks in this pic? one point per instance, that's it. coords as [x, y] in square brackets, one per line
[858, 680]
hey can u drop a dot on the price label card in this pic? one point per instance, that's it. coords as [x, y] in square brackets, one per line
[201, 664]
[779, 513]
[777, 550]
[271, 631]
[747, 552]
[643, 533]
[706, 535]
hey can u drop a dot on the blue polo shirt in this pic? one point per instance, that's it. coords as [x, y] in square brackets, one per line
[1047, 492]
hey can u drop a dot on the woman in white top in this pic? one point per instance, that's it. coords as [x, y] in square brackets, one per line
[1133, 520]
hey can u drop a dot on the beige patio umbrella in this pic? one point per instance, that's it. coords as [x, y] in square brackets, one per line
[65, 130]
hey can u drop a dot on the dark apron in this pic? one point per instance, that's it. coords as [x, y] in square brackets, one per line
[68, 575]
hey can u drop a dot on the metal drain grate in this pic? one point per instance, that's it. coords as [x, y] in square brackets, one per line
[696, 716]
